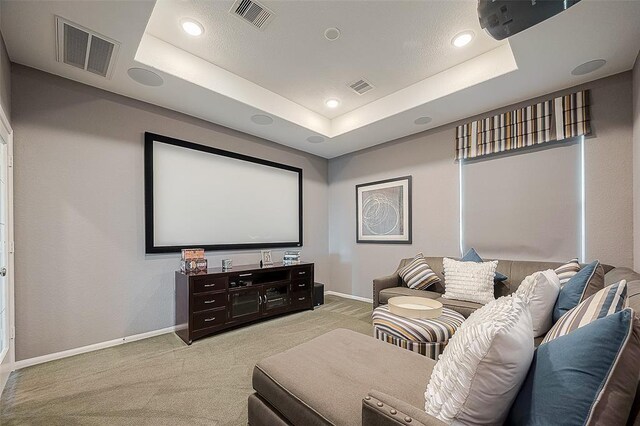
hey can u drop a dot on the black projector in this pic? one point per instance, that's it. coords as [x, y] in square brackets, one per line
[502, 19]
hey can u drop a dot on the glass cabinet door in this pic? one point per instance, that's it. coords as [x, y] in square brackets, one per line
[245, 304]
[275, 297]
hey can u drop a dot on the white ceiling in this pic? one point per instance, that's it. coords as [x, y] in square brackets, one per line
[288, 70]
[392, 45]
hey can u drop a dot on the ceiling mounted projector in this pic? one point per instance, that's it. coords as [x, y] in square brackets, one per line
[504, 18]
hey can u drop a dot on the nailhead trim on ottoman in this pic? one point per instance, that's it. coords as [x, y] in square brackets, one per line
[427, 337]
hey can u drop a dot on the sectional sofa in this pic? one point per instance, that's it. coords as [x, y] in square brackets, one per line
[346, 378]
[390, 286]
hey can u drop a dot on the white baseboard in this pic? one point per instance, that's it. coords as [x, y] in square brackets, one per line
[348, 296]
[90, 348]
[115, 342]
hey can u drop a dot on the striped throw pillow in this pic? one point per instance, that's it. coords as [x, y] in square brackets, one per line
[568, 270]
[417, 274]
[607, 301]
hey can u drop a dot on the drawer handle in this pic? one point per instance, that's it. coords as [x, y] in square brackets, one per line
[302, 272]
[209, 319]
[210, 285]
[244, 275]
[301, 298]
[301, 285]
[206, 302]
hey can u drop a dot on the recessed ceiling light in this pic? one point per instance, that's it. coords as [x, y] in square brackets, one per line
[261, 119]
[332, 103]
[463, 38]
[588, 67]
[146, 77]
[332, 34]
[192, 27]
[315, 139]
[423, 120]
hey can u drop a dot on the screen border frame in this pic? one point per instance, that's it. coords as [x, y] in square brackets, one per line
[152, 248]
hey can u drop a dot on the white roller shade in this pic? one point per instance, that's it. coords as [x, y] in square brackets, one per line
[525, 206]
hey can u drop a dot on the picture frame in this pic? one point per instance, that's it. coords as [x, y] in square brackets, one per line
[383, 211]
[266, 257]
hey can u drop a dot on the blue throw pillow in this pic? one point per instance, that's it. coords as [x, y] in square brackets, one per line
[473, 256]
[572, 374]
[571, 293]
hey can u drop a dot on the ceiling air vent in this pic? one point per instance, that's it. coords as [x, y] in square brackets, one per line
[361, 86]
[85, 49]
[252, 12]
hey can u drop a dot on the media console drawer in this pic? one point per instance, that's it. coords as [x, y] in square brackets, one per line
[300, 272]
[208, 283]
[300, 285]
[216, 300]
[206, 319]
[300, 299]
[204, 301]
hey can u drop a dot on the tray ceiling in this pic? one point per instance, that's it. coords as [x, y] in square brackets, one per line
[288, 69]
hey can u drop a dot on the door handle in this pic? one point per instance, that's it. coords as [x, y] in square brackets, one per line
[3, 272]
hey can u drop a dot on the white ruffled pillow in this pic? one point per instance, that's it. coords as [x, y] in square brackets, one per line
[483, 366]
[470, 281]
[540, 290]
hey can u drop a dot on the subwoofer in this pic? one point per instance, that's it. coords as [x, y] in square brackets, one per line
[318, 294]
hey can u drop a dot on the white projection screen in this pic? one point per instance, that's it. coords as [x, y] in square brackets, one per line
[198, 196]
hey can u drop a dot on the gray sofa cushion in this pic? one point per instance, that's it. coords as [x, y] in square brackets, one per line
[388, 293]
[324, 380]
[465, 308]
[617, 274]
[461, 306]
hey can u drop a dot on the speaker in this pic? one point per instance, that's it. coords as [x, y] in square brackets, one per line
[318, 294]
[504, 18]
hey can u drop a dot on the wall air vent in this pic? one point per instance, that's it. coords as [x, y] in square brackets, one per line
[85, 49]
[361, 86]
[252, 12]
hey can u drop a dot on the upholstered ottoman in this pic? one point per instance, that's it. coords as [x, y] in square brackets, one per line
[427, 337]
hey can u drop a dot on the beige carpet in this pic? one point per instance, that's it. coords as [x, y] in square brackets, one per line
[162, 381]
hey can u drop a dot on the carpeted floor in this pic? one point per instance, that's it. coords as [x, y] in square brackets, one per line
[161, 381]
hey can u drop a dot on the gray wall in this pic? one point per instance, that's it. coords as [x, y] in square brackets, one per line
[636, 164]
[428, 156]
[81, 273]
[5, 78]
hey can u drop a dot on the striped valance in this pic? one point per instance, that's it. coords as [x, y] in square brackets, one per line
[561, 118]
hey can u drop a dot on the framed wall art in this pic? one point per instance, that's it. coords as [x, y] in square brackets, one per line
[383, 211]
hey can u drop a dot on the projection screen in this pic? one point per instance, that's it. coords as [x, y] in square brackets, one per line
[198, 196]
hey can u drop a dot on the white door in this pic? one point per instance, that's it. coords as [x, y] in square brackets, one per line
[4, 283]
[6, 253]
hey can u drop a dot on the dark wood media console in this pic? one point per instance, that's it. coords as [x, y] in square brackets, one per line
[213, 301]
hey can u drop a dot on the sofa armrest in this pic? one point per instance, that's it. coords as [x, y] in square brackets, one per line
[381, 283]
[380, 409]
